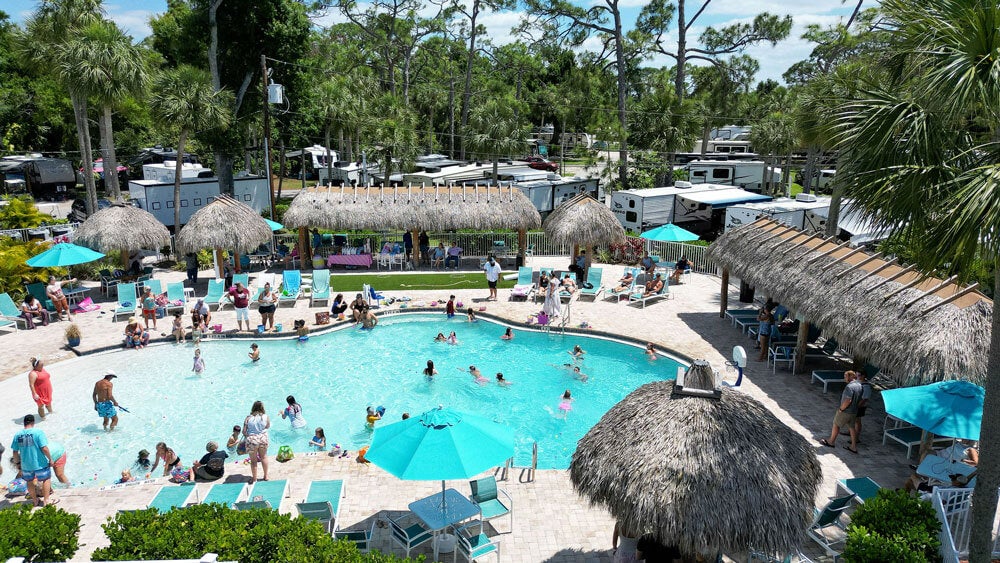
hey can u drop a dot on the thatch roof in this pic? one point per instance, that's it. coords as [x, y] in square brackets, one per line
[920, 328]
[376, 208]
[224, 223]
[122, 227]
[704, 474]
[585, 221]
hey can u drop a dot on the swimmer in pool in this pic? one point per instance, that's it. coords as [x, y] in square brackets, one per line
[371, 417]
[576, 372]
[650, 351]
[319, 440]
[508, 334]
[577, 352]
[501, 381]
[566, 404]
[429, 371]
[199, 362]
[440, 337]
[233, 440]
[477, 375]
[471, 315]
[453, 338]
[254, 352]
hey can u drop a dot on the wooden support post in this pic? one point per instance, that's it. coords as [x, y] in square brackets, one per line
[724, 298]
[415, 253]
[303, 246]
[522, 245]
[236, 262]
[590, 257]
[220, 264]
[800, 347]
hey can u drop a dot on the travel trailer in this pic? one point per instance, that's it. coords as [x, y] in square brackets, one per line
[311, 159]
[348, 173]
[157, 195]
[746, 174]
[43, 178]
[549, 193]
[704, 212]
[640, 210]
[785, 210]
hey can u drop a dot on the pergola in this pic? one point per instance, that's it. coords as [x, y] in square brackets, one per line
[918, 327]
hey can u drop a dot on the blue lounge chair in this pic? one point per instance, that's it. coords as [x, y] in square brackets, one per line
[216, 292]
[176, 300]
[225, 493]
[38, 291]
[262, 279]
[170, 497]
[639, 295]
[526, 284]
[863, 488]
[155, 285]
[320, 287]
[486, 494]
[126, 301]
[291, 286]
[829, 517]
[540, 294]
[253, 505]
[473, 546]
[594, 276]
[828, 377]
[617, 296]
[9, 311]
[322, 503]
[270, 492]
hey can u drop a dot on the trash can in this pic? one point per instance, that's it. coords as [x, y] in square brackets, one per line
[746, 292]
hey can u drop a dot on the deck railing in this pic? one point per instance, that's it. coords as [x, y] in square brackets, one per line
[45, 232]
[953, 507]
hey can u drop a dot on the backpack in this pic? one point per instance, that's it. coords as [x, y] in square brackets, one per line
[284, 454]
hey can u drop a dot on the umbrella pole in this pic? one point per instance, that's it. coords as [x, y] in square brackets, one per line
[219, 261]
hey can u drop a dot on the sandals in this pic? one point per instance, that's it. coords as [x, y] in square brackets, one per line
[825, 443]
[852, 450]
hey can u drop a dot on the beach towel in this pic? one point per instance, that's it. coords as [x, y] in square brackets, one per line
[86, 306]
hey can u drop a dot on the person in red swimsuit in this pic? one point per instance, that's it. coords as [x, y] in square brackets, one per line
[40, 383]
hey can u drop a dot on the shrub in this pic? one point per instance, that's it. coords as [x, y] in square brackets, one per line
[893, 526]
[21, 213]
[252, 536]
[46, 534]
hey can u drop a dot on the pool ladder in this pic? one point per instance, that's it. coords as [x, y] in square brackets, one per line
[525, 478]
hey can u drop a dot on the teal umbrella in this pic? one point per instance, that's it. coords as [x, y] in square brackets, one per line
[64, 254]
[669, 233]
[947, 408]
[274, 225]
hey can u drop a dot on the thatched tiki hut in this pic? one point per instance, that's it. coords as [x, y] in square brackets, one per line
[916, 328]
[583, 221]
[706, 470]
[123, 228]
[223, 224]
[414, 208]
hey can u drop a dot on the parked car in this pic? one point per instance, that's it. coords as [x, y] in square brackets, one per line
[78, 213]
[542, 163]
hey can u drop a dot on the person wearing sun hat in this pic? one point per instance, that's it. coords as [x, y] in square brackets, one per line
[104, 400]
[135, 336]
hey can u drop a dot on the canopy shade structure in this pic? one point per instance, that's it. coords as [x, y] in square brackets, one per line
[725, 198]
[948, 408]
[63, 254]
[224, 223]
[421, 208]
[918, 328]
[584, 221]
[122, 227]
[669, 233]
[694, 471]
[274, 225]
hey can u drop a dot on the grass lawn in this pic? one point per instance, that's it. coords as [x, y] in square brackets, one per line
[403, 282]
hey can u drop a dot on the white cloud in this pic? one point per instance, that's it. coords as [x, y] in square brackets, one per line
[499, 24]
[133, 22]
[752, 7]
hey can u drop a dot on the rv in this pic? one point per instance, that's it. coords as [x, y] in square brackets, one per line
[785, 210]
[704, 212]
[166, 171]
[638, 210]
[43, 178]
[742, 174]
[157, 195]
[458, 174]
[549, 193]
[348, 173]
[825, 179]
[851, 224]
[312, 159]
[728, 139]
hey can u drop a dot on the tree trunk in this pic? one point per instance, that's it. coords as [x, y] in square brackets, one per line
[281, 168]
[496, 169]
[704, 136]
[467, 93]
[83, 138]
[833, 216]
[622, 115]
[810, 170]
[681, 54]
[451, 117]
[111, 185]
[181, 141]
[223, 162]
[988, 476]
[329, 161]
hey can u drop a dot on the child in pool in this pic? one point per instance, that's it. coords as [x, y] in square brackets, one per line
[178, 328]
[371, 417]
[577, 352]
[650, 351]
[429, 371]
[199, 362]
[449, 309]
[254, 352]
[198, 327]
[293, 412]
[319, 440]
[508, 334]
[453, 338]
[142, 463]
[126, 477]
[234, 439]
[471, 315]
[501, 381]
[576, 372]
[477, 375]
[440, 337]
[566, 404]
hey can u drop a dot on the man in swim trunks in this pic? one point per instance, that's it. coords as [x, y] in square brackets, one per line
[31, 451]
[239, 296]
[104, 400]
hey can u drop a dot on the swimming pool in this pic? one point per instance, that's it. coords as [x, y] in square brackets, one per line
[334, 377]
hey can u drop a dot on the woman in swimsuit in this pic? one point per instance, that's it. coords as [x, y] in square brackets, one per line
[429, 371]
[40, 383]
[508, 334]
[293, 412]
[478, 375]
[167, 456]
[266, 306]
[440, 337]
[453, 338]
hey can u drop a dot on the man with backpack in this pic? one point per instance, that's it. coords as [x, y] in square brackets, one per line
[847, 413]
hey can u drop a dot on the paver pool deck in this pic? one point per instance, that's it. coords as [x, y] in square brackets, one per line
[552, 523]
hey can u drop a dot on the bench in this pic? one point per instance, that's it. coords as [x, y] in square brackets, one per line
[828, 377]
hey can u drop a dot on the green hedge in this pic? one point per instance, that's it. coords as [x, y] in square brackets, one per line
[893, 526]
[46, 534]
[252, 536]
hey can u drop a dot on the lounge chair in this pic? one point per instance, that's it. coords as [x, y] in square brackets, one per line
[126, 301]
[373, 298]
[863, 488]
[216, 293]
[291, 286]
[795, 557]
[262, 279]
[639, 295]
[270, 492]
[828, 377]
[829, 348]
[472, 546]
[828, 517]
[362, 538]
[155, 285]
[322, 503]
[320, 287]
[486, 495]
[617, 296]
[540, 293]
[170, 497]
[227, 494]
[253, 505]
[176, 300]
[734, 314]
[909, 436]
[108, 280]
[526, 284]
[10, 312]
[409, 536]
[594, 276]
[38, 290]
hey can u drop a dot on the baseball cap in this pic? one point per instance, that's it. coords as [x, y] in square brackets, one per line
[109, 373]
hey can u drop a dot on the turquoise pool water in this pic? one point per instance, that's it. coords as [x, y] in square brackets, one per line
[334, 377]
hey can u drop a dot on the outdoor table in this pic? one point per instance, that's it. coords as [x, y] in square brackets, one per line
[75, 294]
[262, 258]
[349, 260]
[189, 293]
[438, 515]
[940, 469]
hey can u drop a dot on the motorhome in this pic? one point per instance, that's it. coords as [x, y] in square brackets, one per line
[746, 174]
[704, 212]
[157, 195]
[639, 210]
[785, 210]
[311, 159]
[458, 174]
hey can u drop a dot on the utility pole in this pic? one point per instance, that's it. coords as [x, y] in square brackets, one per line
[267, 133]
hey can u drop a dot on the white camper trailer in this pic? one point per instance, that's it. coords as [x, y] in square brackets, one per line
[313, 158]
[166, 171]
[851, 224]
[157, 197]
[746, 174]
[348, 173]
[638, 210]
[785, 210]
[704, 212]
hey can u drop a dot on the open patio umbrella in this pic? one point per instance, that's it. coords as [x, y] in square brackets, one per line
[947, 408]
[707, 470]
[669, 233]
[275, 226]
[63, 254]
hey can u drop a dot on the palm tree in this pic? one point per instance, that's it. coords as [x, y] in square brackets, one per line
[105, 63]
[495, 131]
[924, 157]
[184, 98]
[394, 127]
[44, 43]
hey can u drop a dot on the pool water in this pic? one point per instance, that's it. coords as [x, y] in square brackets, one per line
[335, 377]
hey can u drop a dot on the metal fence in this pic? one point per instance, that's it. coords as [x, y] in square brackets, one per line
[953, 508]
[45, 232]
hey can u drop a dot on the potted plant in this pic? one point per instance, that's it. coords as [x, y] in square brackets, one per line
[73, 335]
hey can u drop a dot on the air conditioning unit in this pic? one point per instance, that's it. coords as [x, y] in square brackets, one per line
[806, 198]
[682, 184]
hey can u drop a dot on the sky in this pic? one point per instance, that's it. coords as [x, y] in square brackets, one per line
[134, 15]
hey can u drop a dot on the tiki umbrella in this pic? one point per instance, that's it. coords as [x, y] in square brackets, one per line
[707, 470]
[583, 221]
[224, 223]
[124, 228]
